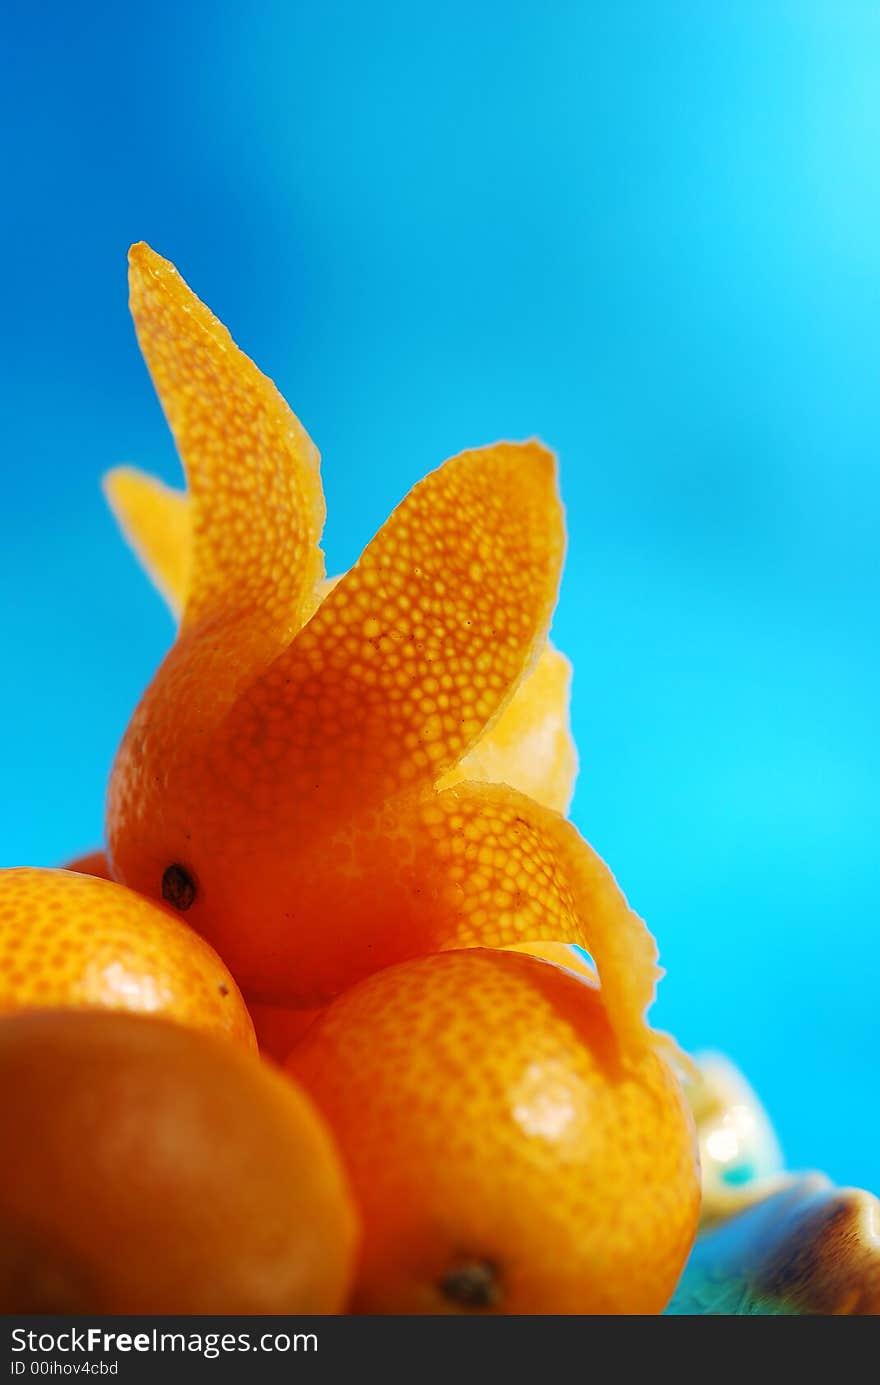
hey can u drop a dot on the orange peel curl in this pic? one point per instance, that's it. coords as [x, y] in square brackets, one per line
[312, 758]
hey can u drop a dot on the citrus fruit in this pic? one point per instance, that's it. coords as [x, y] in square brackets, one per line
[304, 750]
[506, 1153]
[146, 1168]
[78, 940]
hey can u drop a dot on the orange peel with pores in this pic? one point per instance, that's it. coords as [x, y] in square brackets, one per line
[503, 1158]
[80, 941]
[279, 1028]
[292, 763]
[529, 747]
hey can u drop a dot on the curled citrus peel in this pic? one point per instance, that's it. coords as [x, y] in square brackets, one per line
[289, 778]
[530, 746]
[155, 520]
[257, 506]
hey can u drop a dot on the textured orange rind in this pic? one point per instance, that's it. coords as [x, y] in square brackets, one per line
[302, 759]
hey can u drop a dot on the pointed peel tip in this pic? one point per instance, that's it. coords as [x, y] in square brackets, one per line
[113, 483]
[534, 446]
[541, 457]
[142, 253]
[143, 260]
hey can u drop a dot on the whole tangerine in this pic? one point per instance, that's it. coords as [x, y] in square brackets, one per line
[146, 1168]
[506, 1153]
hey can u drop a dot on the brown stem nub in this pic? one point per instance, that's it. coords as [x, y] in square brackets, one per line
[472, 1284]
[178, 888]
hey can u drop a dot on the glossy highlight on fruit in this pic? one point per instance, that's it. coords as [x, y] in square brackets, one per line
[507, 1154]
[78, 940]
[145, 1168]
[299, 754]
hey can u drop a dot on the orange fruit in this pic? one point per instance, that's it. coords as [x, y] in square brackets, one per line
[506, 1153]
[77, 940]
[305, 751]
[146, 1168]
[93, 863]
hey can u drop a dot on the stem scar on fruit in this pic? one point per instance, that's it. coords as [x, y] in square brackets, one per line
[347, 798]
[178, 887]
[472, 1284]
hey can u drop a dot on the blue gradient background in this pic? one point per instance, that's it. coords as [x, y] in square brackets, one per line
[648, 232]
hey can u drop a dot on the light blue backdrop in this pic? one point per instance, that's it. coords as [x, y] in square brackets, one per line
[648, 232]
